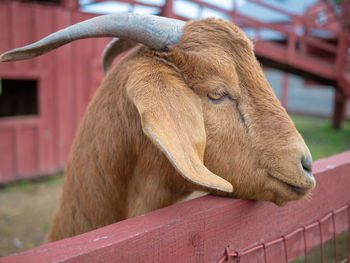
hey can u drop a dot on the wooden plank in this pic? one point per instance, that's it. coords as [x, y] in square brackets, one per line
[79, 74]
[47, 131]
[308, 64]
[98, 74]
[295, 245]
[82, 55]
[200, 230]
[75, 80]
[22, 21]
[27, 151]
[276, 253]
[5, 34]
[91, 48]
[65, 88]
[20, 149]
[7, 155]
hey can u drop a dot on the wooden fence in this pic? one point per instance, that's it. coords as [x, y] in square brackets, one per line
[214, 229]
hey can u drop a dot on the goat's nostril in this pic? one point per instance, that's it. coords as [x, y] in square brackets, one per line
[306, 162]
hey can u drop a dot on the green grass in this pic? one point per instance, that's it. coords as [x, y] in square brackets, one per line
[314, 255]
[30, 184]
[321, 138]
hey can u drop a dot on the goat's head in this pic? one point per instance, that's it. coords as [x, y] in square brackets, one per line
[214, 115]
[250, 140]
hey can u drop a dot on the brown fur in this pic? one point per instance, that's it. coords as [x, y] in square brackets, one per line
[151, 120]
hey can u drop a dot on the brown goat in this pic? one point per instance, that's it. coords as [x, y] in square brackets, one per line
[197, 115]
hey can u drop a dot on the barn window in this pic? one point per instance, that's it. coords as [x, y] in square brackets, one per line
[18, 97]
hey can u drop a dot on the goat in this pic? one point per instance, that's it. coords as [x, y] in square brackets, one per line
[187, 110]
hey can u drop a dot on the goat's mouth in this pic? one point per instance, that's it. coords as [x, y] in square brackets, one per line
[296, 189]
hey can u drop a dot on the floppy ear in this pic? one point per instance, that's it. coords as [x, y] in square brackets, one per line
[171, 116]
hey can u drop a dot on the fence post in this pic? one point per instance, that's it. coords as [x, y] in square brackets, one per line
[339, 109]
[339, 106]
[167, 9]
[342, 53]
[291, 43]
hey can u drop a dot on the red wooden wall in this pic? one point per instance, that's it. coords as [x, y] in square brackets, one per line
[215, 229]
[67, 78]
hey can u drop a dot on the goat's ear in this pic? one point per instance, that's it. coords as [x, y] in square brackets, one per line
[171, 116]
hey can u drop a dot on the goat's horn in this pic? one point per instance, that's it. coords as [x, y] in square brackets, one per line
[153, 31]
[115, 47]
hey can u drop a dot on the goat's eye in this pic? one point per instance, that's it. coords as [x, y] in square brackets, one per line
[217, 95]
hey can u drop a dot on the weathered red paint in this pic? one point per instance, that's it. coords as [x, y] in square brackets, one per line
[200, 230]
[39, 145]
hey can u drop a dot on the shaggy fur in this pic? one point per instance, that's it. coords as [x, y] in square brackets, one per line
[197, 116]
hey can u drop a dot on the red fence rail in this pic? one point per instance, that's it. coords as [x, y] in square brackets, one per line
[214, 229]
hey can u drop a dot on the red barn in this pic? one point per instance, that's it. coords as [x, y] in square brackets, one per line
[42, 99]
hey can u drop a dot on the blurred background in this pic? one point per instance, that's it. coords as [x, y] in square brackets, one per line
[303, 46]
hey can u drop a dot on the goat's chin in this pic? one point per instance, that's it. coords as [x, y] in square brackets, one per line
[282, 201]
[281, 193]
[283, 196]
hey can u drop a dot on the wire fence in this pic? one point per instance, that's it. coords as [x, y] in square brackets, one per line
[287, 247]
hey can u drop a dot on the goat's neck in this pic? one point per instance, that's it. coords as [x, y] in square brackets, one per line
[114, 171]
[155, 183]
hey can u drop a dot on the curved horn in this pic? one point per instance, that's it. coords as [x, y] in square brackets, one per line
[113, 49]
[153, 31]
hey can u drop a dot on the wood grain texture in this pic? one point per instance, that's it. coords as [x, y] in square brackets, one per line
[199, 230]
[66, 79]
